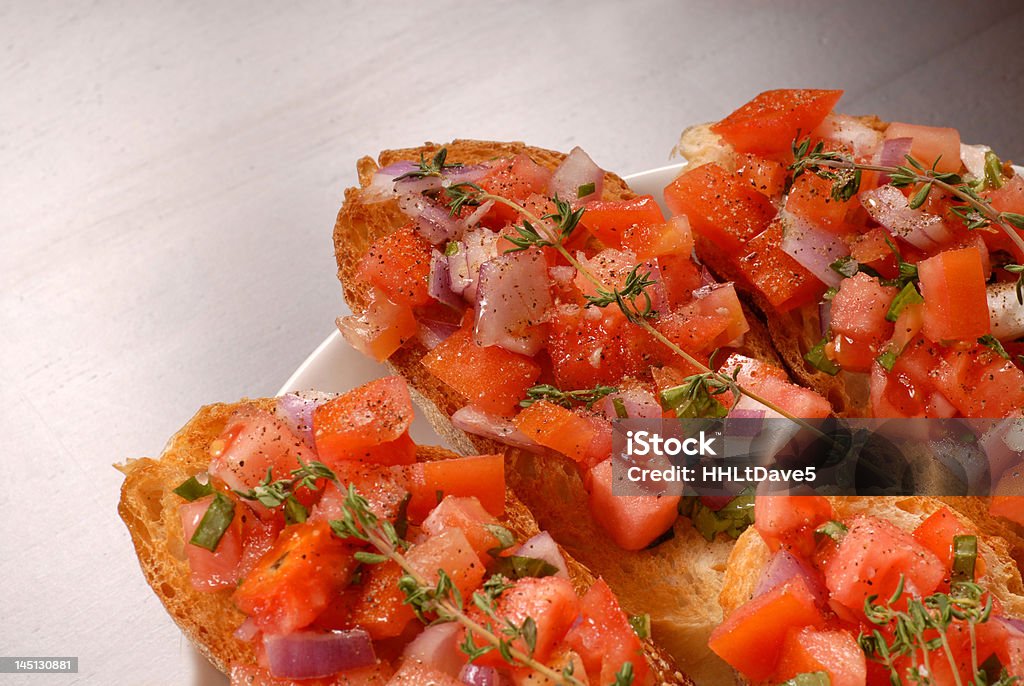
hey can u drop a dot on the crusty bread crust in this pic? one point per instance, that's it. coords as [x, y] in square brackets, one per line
[678, 581]
[149, 509]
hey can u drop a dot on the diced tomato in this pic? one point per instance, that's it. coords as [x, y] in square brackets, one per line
[603, 639]
[589, 346]
[211, 570]
[452, 552]
[632, 521]
[399, 265]
[768, 124]
[516, 180]
[811, 650]
[998, 638]
[296, 580]
[369, 423]
[550, 601]
[610, 267]
[466, 514]
[585, 439]
[811, 199]
[1008, 497]
[721, 206]
[380, 606]
[260, 535]
[658, 240]
[415, 673]
[767, 177]
[381, 329]
[783, 281]
[254, 441]
[980, 383]
[931, 144]
[936, 533]
[381, 486]
[681, 277]
[374, 675]
[870, 560]
[491, 378]
[955, 301]
[872, 250]
[608, 220]
[712, 320]
[858, 321]
[789, 521]
[1008, 198]
[772, 384]
[480, 476]
[751, 638]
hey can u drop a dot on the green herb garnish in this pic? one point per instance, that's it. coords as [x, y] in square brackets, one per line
[907, 296]
[190, 489]
[567, 399]
[215, 522]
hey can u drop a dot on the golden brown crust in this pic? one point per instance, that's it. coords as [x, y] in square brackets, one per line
[149, 509]
[677, 582]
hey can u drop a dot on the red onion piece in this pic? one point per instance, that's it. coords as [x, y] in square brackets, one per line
[825, 316]
[296, 410]
[1005, 312]
[472, 219]
[639, 404]
[1014, 625]
[575, 171]
[470, 173]
[751, 421]
[973, 157]
[437, 647]
[450, 176]
[475, 248]
[433, 331]
[850, 131]
[396, 169]
[439, 287]
[893, 154]
[813, 247]
[783, 567]
[247, 630]
[308, 655]
[543, 547]
[479, 423]
[512, 300]
[890, 208]
[478, 675]
[432, 221]
[383, 183]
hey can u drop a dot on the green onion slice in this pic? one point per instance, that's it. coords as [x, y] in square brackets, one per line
[817, 357]
[908, 296]
[965, 557]
[191, 489]
[214, 523]
[641, 625]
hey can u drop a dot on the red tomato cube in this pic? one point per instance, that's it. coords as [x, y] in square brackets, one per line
[858, 320]
[955, 300]
[399, 265]
[632, 521]
[604, 639]
[936, 533]
[608, 220]
[767, 177]
[811, 650]
[450, 551]
[784, 282]
[368, 423]
[789, 521]
[768, 124]
[466, 514]
[930, 144]
[480, 476]
[582, 438]
[212, 570]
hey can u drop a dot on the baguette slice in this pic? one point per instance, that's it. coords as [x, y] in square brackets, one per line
[676, 583]
[149, 509]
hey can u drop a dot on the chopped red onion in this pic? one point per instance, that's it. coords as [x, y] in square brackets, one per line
[893, 154]
[475, 248]
[439, 286]
[432, 221]
[309, 655]
[890, 208]
[382, 186]
[1015, 625]
[575, 171]
[449, 177]
[783, 567]
[639, 404]
[858, 136]
[750, 424]
[396, 169]
[247, 630]
[973, 157]
[562, 275]
[543, 547]
[437, 647]
[432, 332]
[478, 675]
[296, 410]
[469, 173]
[479, 423]
[825, 316]
[813, 247]
[512, 300]
[472, 219]
[1005, 311]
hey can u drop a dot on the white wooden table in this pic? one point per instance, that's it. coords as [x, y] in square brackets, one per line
[170, 173]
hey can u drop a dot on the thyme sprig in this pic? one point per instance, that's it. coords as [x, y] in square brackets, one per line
[976, 212]
[632, 298]
[1017, 269]
[274, 493]
[434, 167]
[441, 601]
[567, 399]
[923, 627]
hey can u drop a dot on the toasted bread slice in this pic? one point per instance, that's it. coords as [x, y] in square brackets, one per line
[149, 509]
[678, 581]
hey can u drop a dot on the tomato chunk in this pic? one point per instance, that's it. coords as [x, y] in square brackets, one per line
[516, 179]
[811, 198]
[789, 521]
[491, 378]
[550, 601]
[771, 383]
[369, 423]
[767, 177]
[720, 205]
[297, 579]
[450, 551]
[381, 329]
[932, 145]
[870, 560]
[592, 346]
[254, 441]
[1008, 497]
[955, 301]
[751, 638]
[399, 265]
[783, 281]
[480, 476]
[380, 606]
[584, 439]
[466, 514]
[979, 382]
[936, 533]
[632, 521]
[657, 240]
[381, 487]
[608, 220]
[211, 570]
[813, 650]
[603, 639]
[768, 124]
[858, 320]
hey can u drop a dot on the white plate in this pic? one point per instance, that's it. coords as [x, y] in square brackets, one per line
[335, 366]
